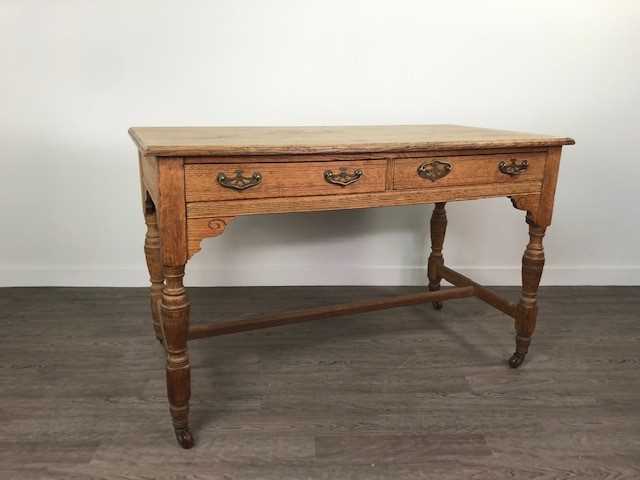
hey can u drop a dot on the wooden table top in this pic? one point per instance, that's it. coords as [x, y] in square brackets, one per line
[217, 141]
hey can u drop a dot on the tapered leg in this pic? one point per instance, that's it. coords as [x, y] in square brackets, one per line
[154, 264]
[532, 265]
[175, 321]
[438, 230]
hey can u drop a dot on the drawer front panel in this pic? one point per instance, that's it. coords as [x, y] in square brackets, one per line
[228, 181]
[432, 172]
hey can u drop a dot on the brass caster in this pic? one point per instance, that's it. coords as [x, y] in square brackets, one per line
[437, 305]
[517, 359]
[184, 437]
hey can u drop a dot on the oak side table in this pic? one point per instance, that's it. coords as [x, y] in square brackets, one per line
[195, 181]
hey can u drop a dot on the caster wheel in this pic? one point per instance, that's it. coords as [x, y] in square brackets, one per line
[516, 359]
[185, 439]
[437, 305]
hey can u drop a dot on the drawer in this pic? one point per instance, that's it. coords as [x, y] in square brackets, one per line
[428, 172]
[234, 181]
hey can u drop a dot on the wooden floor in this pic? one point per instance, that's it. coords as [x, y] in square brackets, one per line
[398, 394]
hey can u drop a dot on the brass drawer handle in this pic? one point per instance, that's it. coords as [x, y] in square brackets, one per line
[239, 182]
[343, 178]
[513, 168]
[434, 170]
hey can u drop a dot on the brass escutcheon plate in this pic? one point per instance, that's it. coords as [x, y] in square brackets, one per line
[239, 182]
[343, 178]
[513, 168]
[434, 170]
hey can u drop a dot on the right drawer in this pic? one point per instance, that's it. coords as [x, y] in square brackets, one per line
[426, 172]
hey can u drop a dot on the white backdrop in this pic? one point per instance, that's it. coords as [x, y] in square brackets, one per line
[77, 74]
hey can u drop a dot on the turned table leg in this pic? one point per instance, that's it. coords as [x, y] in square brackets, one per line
[154, 264]
[175, 320]
[438, 230]
[527, 310]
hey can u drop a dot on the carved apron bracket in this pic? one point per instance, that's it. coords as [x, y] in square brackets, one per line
[200, 228]
[528, 203]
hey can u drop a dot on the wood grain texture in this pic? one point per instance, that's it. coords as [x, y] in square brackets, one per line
[175, 310]
[467, 170]
[149, 176]
[153, 255]
[547, 200]
[529, 203]
[175, 305]
[527, 309]
[483, 293]
[323, 313]
[195, 141]
[350, 201]
[398, 449]
[200, 228]
[412, 384]
[282, 180]
[438, 229]
[196, 199]
[171, 212]
[336, 157]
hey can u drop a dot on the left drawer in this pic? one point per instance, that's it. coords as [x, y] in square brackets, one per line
[235, 181]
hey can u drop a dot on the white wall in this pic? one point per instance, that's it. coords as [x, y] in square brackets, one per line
[76, 74]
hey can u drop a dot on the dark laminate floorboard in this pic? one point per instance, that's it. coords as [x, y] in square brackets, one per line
[406, 393]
